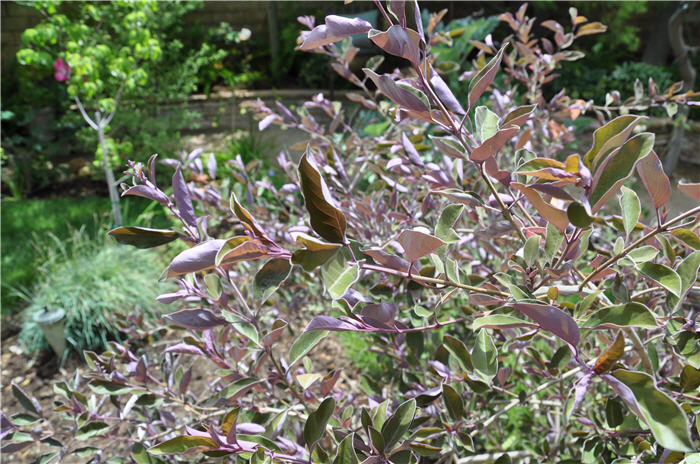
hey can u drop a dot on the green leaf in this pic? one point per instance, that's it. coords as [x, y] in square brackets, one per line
[91, 429]
[663, 275]
[688, 237]
[105, 387]
[238, 387]
[613, 412]
[552, 242]
[338, 275]
[346, 452]
[643, 254]
[500, 322]
[139, 453]
[47, 457]
[617, 168]
[449, 146]
[688, 272]
[398, 424]
[609, 137]
[453, 402]
[578, 215]
[269, 278]
[424, 449]
[485, 357]
[30, 404]
[457, 349]
[316, 423]
[179, 445]
[665, 418]
[326, 219]
[631, 209]
[444, 227]
[305, 343]
[486, 122]
[531, 249]
[627, 315]
[142, 237]
[690, 378]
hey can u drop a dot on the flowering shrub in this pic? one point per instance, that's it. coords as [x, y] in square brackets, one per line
[525, 305]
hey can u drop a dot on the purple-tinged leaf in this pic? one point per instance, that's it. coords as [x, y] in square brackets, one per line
[580, 390]
[16, 447]
[336, 28]
[654, 179]
[329, 323]
[553, 320]
[411, 151]
[691, 190]
[443, 92]
[211, 166]
[183, 201]
[248, 220]
[185, 381]
[167, 298]
[327, 220]
[184, 348]
[382, 312]
[412, 101]
[492, 145]
[142, 237]
[398, 41]
[197, 319]
[418, 19]
[417, 244]
[483, 79]
[249, 428]
[198, 258]
[242, 248]
[518, 116]
[398, 9]
[617, 168]
[386, 259]
[552, 190]
[147, 192]
[449, 146]
[152, 168]
[266, 121]
[557, 217]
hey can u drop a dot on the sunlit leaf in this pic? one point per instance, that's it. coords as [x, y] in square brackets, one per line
[305, 343]
[652, 174]
[417, 244]
[631, 209]
[269, 278]
[480, 82]
[627, 315]
[326, 219]
[338, 275]
[182, 444]
[485, 357]
[665, 418]
[610, 356]
[663, 275]
[617, 168]
[142, 237]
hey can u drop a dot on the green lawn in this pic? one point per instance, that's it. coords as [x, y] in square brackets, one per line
[27, 224]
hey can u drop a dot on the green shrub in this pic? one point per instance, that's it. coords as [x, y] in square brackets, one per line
[97, 283]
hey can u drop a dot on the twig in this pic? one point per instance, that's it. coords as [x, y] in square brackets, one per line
[638, 242]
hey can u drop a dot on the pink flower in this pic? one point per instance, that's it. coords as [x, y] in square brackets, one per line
[61, 70]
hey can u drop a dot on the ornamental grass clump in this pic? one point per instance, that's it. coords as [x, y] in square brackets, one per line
[95, 283]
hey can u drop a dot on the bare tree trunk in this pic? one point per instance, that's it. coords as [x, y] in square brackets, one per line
[109, 175]
[681, 50]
